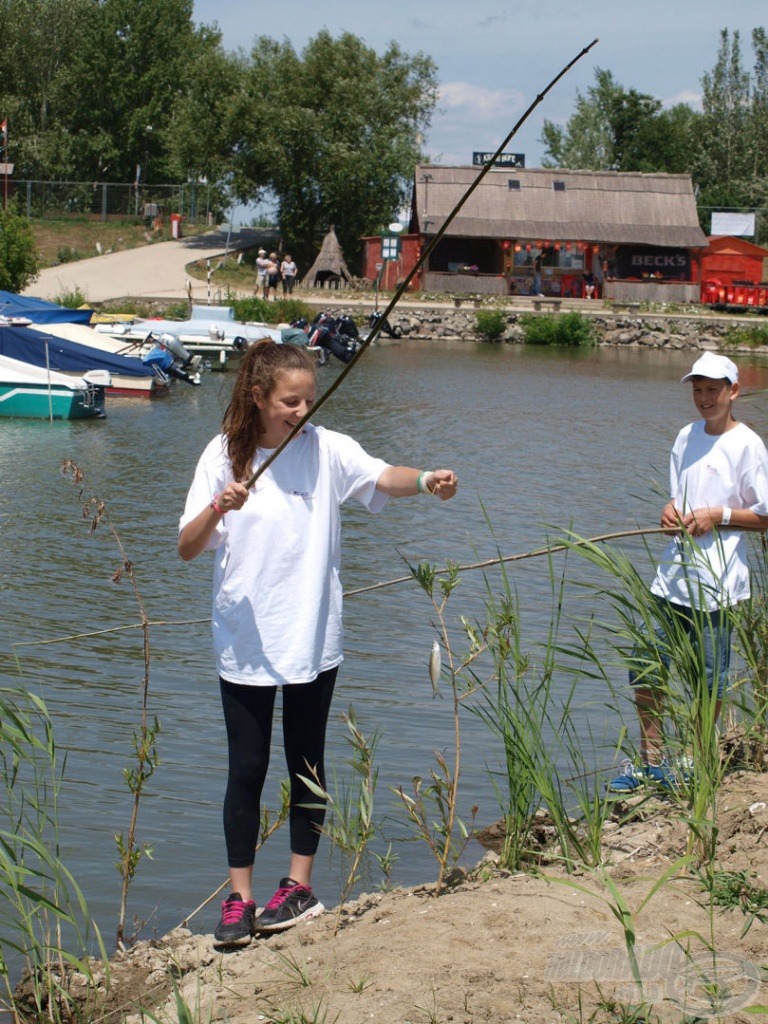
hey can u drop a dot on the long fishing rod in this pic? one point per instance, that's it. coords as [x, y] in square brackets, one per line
[414, 270]
[553, 549]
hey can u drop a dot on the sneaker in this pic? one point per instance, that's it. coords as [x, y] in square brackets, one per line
[290, 904]
[630, 777]
[236, 925]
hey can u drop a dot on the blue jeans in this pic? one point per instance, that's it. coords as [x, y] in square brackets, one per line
[715, 629]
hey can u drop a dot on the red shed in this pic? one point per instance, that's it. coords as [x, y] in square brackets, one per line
[728, 259]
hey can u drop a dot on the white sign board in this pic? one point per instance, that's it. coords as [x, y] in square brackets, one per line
[738, 224]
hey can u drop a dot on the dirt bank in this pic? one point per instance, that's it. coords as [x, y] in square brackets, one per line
[497, 947]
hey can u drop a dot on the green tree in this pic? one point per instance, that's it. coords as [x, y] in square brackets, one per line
[19, 261]
[721, 163]
[91, 87]
[333, 134]
[40, 38]
[613, 128]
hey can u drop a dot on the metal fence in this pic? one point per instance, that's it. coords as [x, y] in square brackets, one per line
[102, 200]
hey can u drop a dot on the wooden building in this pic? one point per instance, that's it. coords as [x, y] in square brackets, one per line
[728, 259]
[555, 232]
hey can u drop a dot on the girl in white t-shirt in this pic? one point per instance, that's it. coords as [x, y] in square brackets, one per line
[277, 602]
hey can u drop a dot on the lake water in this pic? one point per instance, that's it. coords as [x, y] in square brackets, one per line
[542, 441]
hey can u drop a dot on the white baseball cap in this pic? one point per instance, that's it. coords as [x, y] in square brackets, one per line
[715, 367]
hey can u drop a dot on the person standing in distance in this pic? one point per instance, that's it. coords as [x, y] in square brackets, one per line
[277, 616]
[288, 272]
[719, 490]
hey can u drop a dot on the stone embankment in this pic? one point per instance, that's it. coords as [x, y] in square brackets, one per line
[649, 330]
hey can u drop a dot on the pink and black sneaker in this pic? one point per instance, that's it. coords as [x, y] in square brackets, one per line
[290, 904]
[236, 925]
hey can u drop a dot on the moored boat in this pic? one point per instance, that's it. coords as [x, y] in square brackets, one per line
[37, 347]
[34, 392]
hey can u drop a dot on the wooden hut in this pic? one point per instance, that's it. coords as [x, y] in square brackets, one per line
[329, 268]
[629, 236]
[728, 259]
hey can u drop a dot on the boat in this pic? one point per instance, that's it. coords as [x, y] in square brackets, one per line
[39, 311]
[37, 347]
[34, 392]
[211, 331]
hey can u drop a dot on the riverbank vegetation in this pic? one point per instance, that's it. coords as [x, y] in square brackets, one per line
[547, 761]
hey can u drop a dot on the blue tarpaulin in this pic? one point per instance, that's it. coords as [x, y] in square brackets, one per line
[30, 347]
[41, 312]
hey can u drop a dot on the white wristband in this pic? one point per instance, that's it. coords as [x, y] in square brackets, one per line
[726, 516]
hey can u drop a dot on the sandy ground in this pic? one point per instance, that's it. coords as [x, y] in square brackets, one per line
[495, 947]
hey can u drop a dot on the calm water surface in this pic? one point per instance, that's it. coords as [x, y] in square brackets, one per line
[542, 441]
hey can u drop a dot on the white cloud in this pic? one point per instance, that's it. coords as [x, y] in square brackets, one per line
[693, 99]
[480, 104]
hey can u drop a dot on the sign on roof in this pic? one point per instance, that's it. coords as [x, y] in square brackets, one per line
[502, 160]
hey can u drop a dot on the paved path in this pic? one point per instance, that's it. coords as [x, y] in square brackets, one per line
[151, 271]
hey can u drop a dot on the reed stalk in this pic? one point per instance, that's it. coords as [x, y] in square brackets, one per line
[43, 913]
[146, 758]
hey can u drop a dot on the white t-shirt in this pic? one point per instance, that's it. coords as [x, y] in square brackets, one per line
[276, 587]
[713, 470]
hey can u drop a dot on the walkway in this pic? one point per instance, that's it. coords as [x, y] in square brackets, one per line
[156, 271]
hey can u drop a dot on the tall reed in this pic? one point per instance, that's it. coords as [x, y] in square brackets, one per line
[44, 921]
[146, 759]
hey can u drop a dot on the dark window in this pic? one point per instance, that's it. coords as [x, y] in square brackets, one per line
[558, 186]
[513, 184]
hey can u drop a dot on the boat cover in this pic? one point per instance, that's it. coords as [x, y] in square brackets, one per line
[41, 312]
[29, 346]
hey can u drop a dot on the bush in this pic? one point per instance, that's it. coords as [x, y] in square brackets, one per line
[72, 299]
[19, 259]
[280, 311]
[490, 324]
[559, 329]
[753, 336]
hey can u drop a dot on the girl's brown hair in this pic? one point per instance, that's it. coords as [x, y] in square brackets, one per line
[261, 367]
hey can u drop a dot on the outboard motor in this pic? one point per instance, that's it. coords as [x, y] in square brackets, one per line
[386, 327]
[172, 343]
[162, 358]
[325, 335]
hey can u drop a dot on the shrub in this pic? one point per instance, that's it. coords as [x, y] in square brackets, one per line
[752, 336]
[490, 324]
[72, 299]
[280, 311]
[559, 329]
[19, 259]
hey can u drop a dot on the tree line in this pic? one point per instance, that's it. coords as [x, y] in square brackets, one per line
[127, 90]
[120, 90]
[724, 147]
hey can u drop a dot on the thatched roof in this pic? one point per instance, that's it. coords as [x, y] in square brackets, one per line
[591, 206]
[330, 260]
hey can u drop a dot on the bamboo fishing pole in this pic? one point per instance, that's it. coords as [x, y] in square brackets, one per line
[414, 270]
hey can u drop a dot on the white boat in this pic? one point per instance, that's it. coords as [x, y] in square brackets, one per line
[211, 331]
[34, 392]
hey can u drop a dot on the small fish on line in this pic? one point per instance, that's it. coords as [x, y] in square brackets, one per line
[435, 665]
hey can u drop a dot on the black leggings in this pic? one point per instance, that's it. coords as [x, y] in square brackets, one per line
[248, 714]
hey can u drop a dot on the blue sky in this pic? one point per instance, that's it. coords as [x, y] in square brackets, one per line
[493, 57]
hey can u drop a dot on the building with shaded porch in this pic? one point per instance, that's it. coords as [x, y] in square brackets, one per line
[630, 237]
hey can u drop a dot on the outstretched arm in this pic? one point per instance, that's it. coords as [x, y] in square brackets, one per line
[402, 481]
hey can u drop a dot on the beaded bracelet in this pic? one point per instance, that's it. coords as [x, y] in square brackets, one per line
[216, 507]
[421, 483]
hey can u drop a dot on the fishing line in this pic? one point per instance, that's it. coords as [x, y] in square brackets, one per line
[375, 330]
